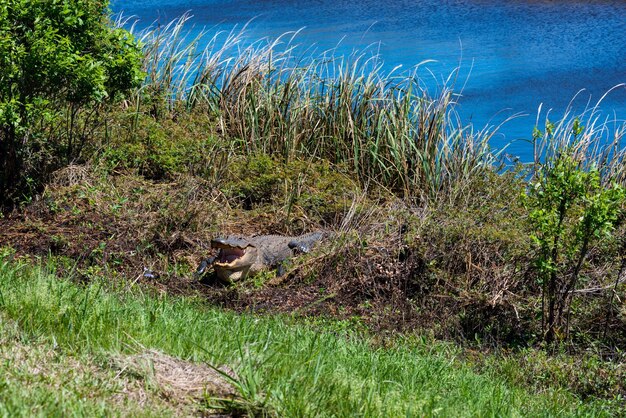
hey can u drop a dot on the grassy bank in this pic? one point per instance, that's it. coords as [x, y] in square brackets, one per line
[83, 339]
[519, 268]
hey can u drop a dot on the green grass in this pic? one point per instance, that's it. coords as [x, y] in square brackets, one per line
[283, 368]
[41, 380]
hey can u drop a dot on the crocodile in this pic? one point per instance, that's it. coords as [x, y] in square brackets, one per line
[239, 257]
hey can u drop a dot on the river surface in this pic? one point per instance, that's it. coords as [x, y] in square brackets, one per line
[513, 55]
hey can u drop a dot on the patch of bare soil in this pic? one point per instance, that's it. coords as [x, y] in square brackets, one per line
[130, 225]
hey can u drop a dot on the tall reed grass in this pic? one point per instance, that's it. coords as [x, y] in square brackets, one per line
[268, 98]
[591, 137]
[278, 98]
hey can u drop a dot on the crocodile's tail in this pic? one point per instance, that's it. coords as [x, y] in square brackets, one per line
[304, 243]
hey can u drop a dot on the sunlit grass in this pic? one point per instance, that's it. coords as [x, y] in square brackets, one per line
[283, 369]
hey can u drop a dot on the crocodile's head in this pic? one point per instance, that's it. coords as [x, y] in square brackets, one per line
[235, 257]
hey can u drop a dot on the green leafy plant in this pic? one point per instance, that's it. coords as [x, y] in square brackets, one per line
[570, 209]
[59, 59]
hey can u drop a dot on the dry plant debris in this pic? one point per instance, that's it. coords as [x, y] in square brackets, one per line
[179, 381]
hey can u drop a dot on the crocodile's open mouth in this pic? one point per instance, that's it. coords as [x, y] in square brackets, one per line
[233, 262]
[229, 255]
[234, 258]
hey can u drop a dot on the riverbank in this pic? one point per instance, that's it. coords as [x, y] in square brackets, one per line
[516, 269]
[444, 273]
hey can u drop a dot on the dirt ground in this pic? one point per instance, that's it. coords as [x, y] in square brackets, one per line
[382, 268]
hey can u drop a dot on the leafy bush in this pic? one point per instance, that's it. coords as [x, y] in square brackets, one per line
[161, 149]
[59, 59]
[569, 209]
[315, 188]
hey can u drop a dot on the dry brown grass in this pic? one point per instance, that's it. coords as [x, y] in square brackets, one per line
[179, 382]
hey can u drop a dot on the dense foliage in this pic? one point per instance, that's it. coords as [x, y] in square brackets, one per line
[58, 60]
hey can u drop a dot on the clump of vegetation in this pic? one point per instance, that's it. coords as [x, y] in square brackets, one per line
[60, 62]
[162, 149]
[575, 202]
[569, 211]
[311, 188]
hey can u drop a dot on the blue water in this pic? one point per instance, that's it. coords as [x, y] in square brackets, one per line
[513, 55]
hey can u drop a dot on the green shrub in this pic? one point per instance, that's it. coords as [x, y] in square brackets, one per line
[58, 60]
[160, 149]
[321, 192]
[569, 210]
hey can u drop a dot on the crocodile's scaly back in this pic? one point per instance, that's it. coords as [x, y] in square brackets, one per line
[275, 249]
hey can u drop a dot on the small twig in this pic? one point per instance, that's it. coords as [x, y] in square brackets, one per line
[600, 289]
[281, 279]
[314, 303]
